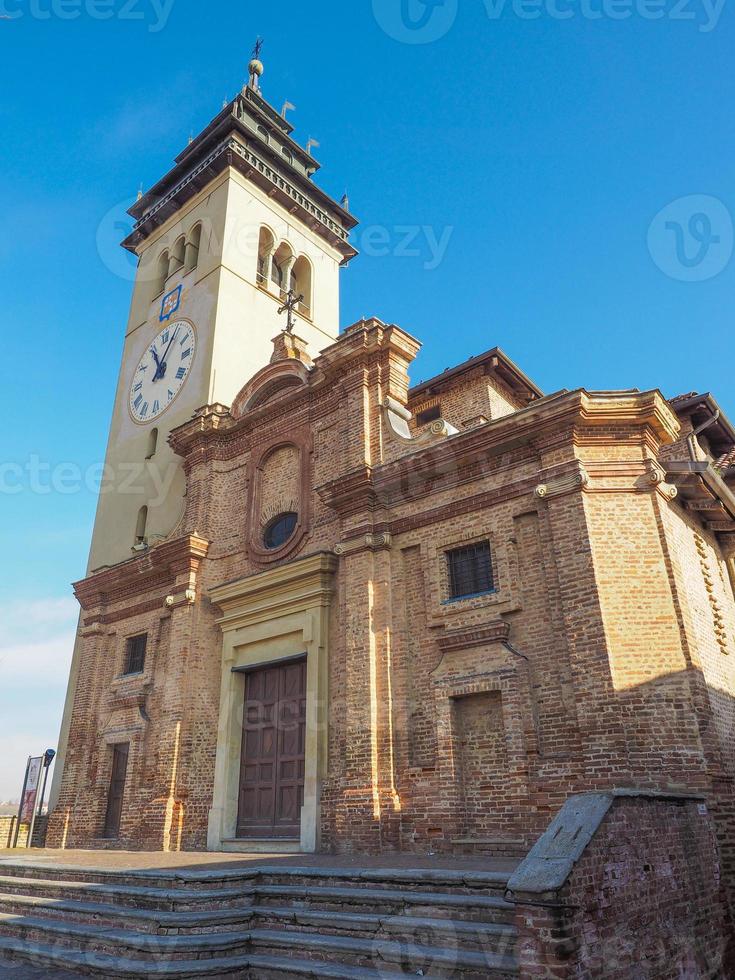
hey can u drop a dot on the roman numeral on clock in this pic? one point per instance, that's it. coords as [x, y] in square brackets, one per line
[180, 373]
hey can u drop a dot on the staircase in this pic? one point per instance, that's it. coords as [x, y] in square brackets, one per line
[258, 923]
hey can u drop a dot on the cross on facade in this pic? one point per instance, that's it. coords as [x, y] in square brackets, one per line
[292, 301]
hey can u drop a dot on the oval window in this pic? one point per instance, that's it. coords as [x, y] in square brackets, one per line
[279, 530]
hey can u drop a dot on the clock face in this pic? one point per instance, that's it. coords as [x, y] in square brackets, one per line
[162, 371]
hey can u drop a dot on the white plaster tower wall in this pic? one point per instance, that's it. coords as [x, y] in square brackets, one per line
[235, 321]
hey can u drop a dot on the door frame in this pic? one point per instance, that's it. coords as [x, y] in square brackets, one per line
[271, 618]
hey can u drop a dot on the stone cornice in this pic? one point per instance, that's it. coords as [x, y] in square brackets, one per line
[298, 585]
[474, 636]
[643, 408]
[239, 149]
[158, 567]
[569, 417]
[352, 493]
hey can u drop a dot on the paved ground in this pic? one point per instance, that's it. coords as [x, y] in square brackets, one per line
[155, 860]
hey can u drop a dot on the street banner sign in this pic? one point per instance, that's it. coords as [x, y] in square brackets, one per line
[30, 794]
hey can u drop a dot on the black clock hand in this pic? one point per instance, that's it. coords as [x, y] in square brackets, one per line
[162, 370]
[158, 363]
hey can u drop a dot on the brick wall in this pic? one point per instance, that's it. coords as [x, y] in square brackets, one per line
[639, 898]
[7, 832]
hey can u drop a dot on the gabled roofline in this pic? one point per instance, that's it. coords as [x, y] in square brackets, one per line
[494, 360]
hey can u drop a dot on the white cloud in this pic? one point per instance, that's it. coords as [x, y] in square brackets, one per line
[36, 618]
[35, 656]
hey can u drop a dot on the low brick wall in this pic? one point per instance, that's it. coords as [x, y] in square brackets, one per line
[623, 885]
[7, 832]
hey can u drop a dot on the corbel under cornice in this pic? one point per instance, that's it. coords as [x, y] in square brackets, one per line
[364, 542]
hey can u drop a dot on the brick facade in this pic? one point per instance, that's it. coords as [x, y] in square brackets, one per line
[602, 659]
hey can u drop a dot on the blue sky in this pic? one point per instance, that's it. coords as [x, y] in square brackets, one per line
[553, 176]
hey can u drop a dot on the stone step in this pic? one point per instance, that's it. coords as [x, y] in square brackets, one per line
[417, 930]
[154, 950]
[475, 907]
[436, 931]
[246, 967]
[218, 878]
[128, 943]
[414, 959]
[144, 919]
[154, 898]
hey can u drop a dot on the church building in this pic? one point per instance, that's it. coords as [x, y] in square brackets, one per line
[329, 610]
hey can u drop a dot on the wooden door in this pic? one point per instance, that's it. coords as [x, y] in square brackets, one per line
[117, 789]
[272, 758]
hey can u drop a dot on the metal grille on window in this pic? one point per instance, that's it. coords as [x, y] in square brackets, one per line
[135, 654]
[470, 570]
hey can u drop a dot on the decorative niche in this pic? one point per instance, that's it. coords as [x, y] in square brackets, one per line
[279, 509]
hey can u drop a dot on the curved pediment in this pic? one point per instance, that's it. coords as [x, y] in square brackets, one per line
[273, 382]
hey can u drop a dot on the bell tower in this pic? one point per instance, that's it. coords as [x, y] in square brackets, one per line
[221, 239]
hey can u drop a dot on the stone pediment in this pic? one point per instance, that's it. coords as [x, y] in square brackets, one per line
[271, 383]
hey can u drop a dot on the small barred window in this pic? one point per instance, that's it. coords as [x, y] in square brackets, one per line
[470, 571]
[135, 654]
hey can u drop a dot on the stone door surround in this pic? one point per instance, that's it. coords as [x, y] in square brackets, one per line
[267, 618]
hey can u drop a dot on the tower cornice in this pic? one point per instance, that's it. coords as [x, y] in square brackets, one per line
[232, 139]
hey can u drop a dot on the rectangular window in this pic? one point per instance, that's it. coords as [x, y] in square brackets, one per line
[470, 570]
[135, 654]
